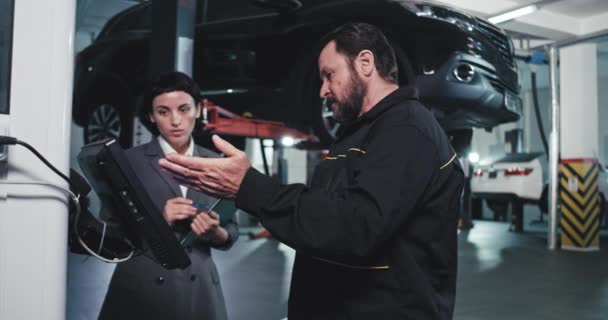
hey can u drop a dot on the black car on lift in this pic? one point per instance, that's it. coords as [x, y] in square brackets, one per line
[259, 56]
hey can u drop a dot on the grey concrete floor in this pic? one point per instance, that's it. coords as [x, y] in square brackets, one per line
[502, 275]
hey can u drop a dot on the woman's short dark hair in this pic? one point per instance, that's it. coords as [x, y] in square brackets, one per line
[163, 83]
[352, 38]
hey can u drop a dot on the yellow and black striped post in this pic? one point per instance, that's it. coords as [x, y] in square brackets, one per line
[579, 203]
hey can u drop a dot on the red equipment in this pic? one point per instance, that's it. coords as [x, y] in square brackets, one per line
[221, 121]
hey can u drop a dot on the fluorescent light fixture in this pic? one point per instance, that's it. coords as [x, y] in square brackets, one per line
[513, 14]
[288, 141]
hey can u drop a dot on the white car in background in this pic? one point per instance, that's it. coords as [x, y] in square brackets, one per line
[514, 179]
[519, 179]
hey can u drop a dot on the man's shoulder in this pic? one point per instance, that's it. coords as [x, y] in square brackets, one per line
[413, 114]
[410, 112]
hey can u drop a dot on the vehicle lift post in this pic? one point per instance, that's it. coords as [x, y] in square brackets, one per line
[171, 46]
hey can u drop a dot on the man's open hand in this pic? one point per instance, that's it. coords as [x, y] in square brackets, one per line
[220, 177]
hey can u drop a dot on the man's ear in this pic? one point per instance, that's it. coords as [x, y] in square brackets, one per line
[151, 118]
[365, 62]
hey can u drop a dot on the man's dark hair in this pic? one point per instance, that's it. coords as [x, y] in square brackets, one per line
[352, 38]
[163, 83]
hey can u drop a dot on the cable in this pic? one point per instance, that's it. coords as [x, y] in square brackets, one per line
[43, 159]
[12, 141]
[539, 120]
[103, 236]
[5, 140]
[72, 195]
[76, 201]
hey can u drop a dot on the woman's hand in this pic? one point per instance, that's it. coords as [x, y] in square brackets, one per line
[209, 223]
[178, 209]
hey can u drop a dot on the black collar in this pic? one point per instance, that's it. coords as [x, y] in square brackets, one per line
[393, 98]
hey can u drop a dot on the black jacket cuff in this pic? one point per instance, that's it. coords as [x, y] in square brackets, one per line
[256, 192]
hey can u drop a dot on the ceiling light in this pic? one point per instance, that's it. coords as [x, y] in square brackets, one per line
[513, 14]
[474, 157]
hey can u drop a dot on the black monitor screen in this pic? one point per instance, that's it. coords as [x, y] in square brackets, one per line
[106, 167]
[6, 45]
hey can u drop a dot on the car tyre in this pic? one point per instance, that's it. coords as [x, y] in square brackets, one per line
[499, 208]
[109, 118]
[303, 92]
[517, 216]
[543, 202]
[476, 208]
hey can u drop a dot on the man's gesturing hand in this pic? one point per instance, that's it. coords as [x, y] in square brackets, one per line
[221, 177]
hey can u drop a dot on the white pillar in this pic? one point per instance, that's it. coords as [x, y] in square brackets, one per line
[578, 101]
[33, 219]
[579, 148]
[296, 165]
[602, 89]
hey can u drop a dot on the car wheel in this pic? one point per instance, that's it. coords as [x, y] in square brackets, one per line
[305, 96]
[517, 216]
[500, 208]
[476, 208]
[305, 93]
[109, 120]
[543, 202]
[330, 125]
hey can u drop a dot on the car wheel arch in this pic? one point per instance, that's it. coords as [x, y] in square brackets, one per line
[102, 83]
[113, 95]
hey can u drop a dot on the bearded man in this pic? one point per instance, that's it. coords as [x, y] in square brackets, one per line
[375, 231]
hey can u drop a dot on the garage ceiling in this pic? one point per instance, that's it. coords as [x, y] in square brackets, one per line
[555, 20]
[574, 8]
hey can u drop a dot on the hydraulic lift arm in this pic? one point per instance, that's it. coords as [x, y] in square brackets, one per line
[221, 121]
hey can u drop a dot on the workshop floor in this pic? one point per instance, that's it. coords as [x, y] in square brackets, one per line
[502, 275]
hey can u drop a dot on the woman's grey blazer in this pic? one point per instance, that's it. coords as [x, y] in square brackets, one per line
[142, 289]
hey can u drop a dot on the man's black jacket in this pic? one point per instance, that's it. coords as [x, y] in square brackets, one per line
[375, 232]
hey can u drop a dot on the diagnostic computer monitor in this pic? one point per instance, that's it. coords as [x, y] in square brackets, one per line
[109, 172]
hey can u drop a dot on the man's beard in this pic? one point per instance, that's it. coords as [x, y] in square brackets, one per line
[348, 110]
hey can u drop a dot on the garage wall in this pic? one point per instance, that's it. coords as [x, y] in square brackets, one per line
[490, 145]
[532, 136]
[603, 119]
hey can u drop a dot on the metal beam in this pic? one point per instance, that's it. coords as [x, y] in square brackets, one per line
[172, 43]
[553, 153]
[595, 36]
